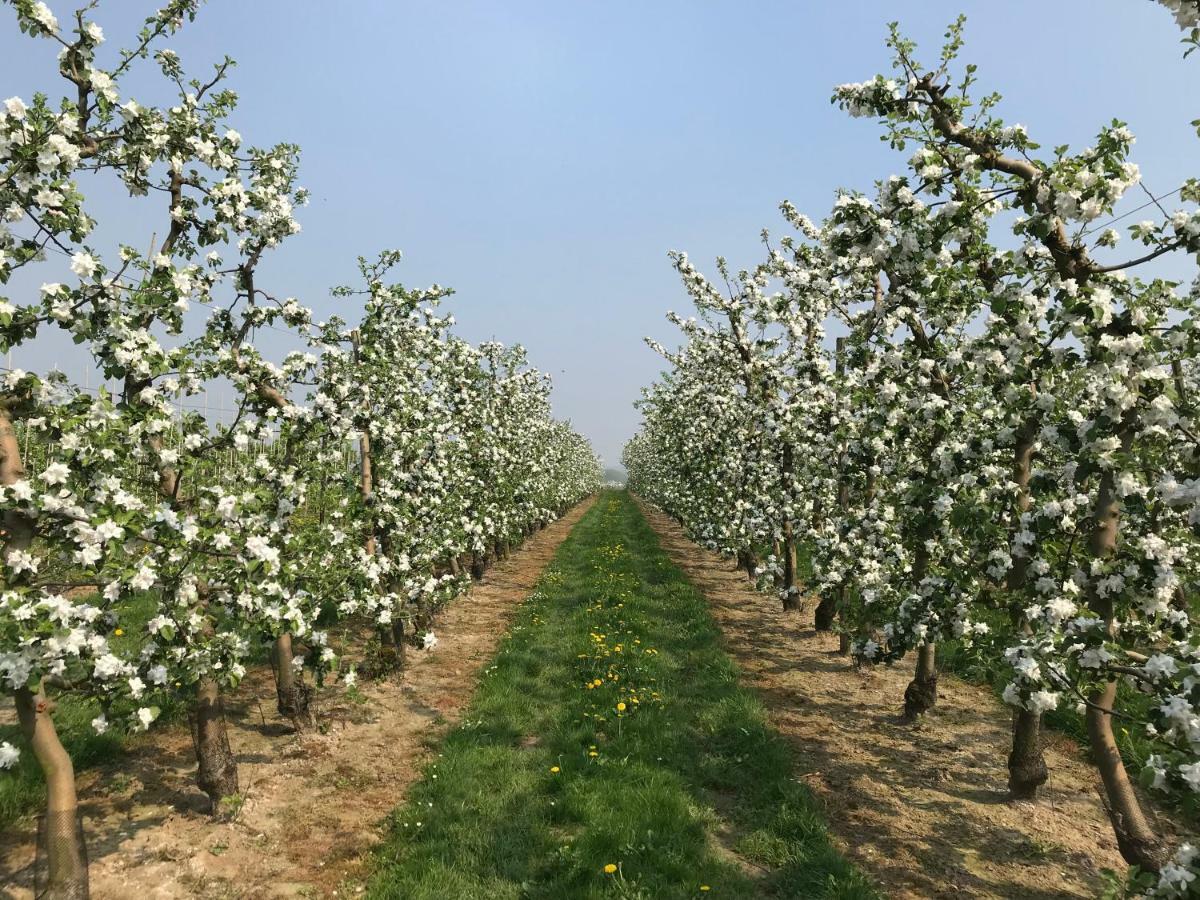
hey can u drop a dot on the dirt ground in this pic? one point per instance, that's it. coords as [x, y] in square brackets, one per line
[923, 809]
[315, 807]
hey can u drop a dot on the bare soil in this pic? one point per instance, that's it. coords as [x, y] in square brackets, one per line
[922, 808]
[315, 806]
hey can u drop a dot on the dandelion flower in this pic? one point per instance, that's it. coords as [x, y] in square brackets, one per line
[609, 869]
[620, 707]
[555, 769]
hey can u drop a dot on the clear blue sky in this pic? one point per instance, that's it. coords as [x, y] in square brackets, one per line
[542, 157]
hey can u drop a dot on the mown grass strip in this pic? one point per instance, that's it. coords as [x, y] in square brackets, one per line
[611, 752]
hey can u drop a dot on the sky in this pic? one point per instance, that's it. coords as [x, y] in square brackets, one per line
[541, 157]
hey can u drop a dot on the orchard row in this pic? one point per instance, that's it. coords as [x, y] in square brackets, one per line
[130, 501]
[969, 417]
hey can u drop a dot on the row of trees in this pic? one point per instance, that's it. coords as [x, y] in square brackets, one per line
[998, 449]
[135, 503]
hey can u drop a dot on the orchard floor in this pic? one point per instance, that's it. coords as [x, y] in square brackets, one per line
[755, 761]
[612, 753]
[314, 807]
[922, 808]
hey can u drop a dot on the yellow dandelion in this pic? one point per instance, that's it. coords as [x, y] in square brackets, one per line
[118, 632]
[609, 869]
[620, 707]
[705, 887]
[555, 769]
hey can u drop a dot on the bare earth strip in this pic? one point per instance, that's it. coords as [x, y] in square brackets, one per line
[923, 809]
[314, 806]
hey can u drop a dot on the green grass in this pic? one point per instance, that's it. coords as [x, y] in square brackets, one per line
[686, 787]
[22, 788]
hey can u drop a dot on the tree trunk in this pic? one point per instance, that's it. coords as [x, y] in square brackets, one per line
[66, 856]
[397, 631]
[921, 694]
[478, 565]
[834, 603]
[217, 771]
[749, 562]
[389, 654]
[791, 594]
[1026, 765]
[1137, 840]
[291, 694]
[1022, 469]
[66, 859]
[826, 610]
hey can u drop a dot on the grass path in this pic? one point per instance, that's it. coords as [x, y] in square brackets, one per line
[611, 752]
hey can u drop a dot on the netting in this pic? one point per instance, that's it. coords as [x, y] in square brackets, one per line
[61, 866]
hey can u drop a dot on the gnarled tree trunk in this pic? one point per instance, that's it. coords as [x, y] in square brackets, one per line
[833, 605]
[1138, 842]
[825, 612]
[398, 640]
[791, 594]
[1026, 763]
[217, 773]
[66, 857]
[748, 562]
[921, 694]
[291, 694]
[390, 653]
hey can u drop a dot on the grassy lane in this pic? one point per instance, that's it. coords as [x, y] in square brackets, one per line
[610, 752]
